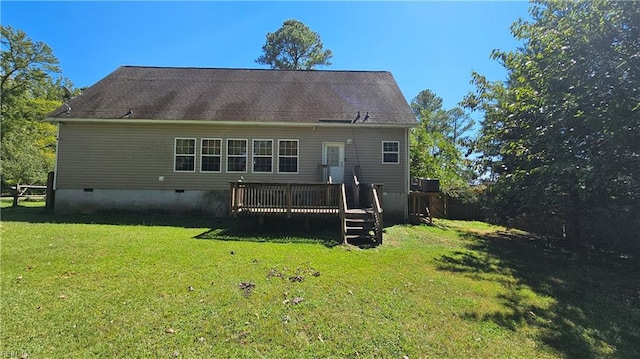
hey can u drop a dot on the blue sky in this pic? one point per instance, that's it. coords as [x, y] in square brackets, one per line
[425, 45]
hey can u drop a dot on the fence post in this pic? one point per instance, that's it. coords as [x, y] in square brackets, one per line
[51, 193]
[16, 194]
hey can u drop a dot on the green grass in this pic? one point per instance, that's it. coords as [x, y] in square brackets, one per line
[111, 285]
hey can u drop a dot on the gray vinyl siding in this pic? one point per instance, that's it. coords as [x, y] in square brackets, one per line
[134, 156]
[366, 150]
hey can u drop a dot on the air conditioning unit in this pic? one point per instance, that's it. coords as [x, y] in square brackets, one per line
[425, 184]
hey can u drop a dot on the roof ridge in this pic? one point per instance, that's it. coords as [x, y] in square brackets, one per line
[243, 69]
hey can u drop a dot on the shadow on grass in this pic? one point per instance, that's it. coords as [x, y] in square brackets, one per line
[595, 306]
[276, 230]
[36, 213]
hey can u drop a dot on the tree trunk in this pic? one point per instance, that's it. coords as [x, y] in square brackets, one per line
[574, 229]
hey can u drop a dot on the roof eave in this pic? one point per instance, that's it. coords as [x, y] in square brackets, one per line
[229, 123]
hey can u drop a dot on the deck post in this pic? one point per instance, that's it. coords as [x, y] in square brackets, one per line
[235, 194]
[232, 202]
[289, 199]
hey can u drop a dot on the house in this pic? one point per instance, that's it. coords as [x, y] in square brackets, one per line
[173, 139]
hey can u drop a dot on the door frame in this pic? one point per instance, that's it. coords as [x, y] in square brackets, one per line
[325, 145]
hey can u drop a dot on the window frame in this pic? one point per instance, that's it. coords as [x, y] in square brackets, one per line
[297, 156]
[176, 154]
[202, 154]
[246, 155]
[254, 155]
[397, 153]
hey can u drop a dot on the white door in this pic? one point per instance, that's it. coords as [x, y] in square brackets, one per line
[333, 157]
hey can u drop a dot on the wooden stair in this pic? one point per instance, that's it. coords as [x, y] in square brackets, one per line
[360, 226]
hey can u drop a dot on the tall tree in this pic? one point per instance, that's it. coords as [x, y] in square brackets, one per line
[25, 65]
[562, 134]
[438, 143]
[29, 92]
[28, 153]
[294, 46]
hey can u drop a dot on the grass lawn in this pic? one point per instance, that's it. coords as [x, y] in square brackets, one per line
[152, 286]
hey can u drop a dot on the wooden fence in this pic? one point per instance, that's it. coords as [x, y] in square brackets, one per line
[428, 205]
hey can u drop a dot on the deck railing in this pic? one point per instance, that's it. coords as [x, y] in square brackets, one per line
[323, 173]
[284, 198]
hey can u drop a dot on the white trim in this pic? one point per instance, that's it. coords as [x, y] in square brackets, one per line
[230, 123]
[202, 154]
[341, 154]
[246, 155]
[195, 153]
[55, 168]
[254, 156]
[406, 172]
[390, 152]
[297, 156]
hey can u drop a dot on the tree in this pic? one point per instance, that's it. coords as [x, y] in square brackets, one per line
[294, 47]
[26, 65]
[460, 123]
[562, 134]
[29, 92]
[437, 144]
[28, 153]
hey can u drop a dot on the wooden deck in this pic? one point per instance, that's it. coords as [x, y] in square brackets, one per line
[285, 199]
[288, 212]
[309, 200]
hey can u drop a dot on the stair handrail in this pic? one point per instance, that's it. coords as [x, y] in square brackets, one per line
[356, 187]
[377, 213]
[343, 212]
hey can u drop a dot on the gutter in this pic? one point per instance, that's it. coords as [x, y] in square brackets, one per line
[228, 123]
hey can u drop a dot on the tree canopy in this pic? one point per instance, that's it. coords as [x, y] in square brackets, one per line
[294, 46]
[562, 134]
[438, 143]
[30, 88]
[26, 65]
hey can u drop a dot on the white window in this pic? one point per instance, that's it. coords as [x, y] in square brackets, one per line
[263, 156]
[287, 156]
[211, 155]
[236, 155]
[390, 152]
[184, 155]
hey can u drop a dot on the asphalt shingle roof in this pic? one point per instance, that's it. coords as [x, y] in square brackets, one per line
[246, 95]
